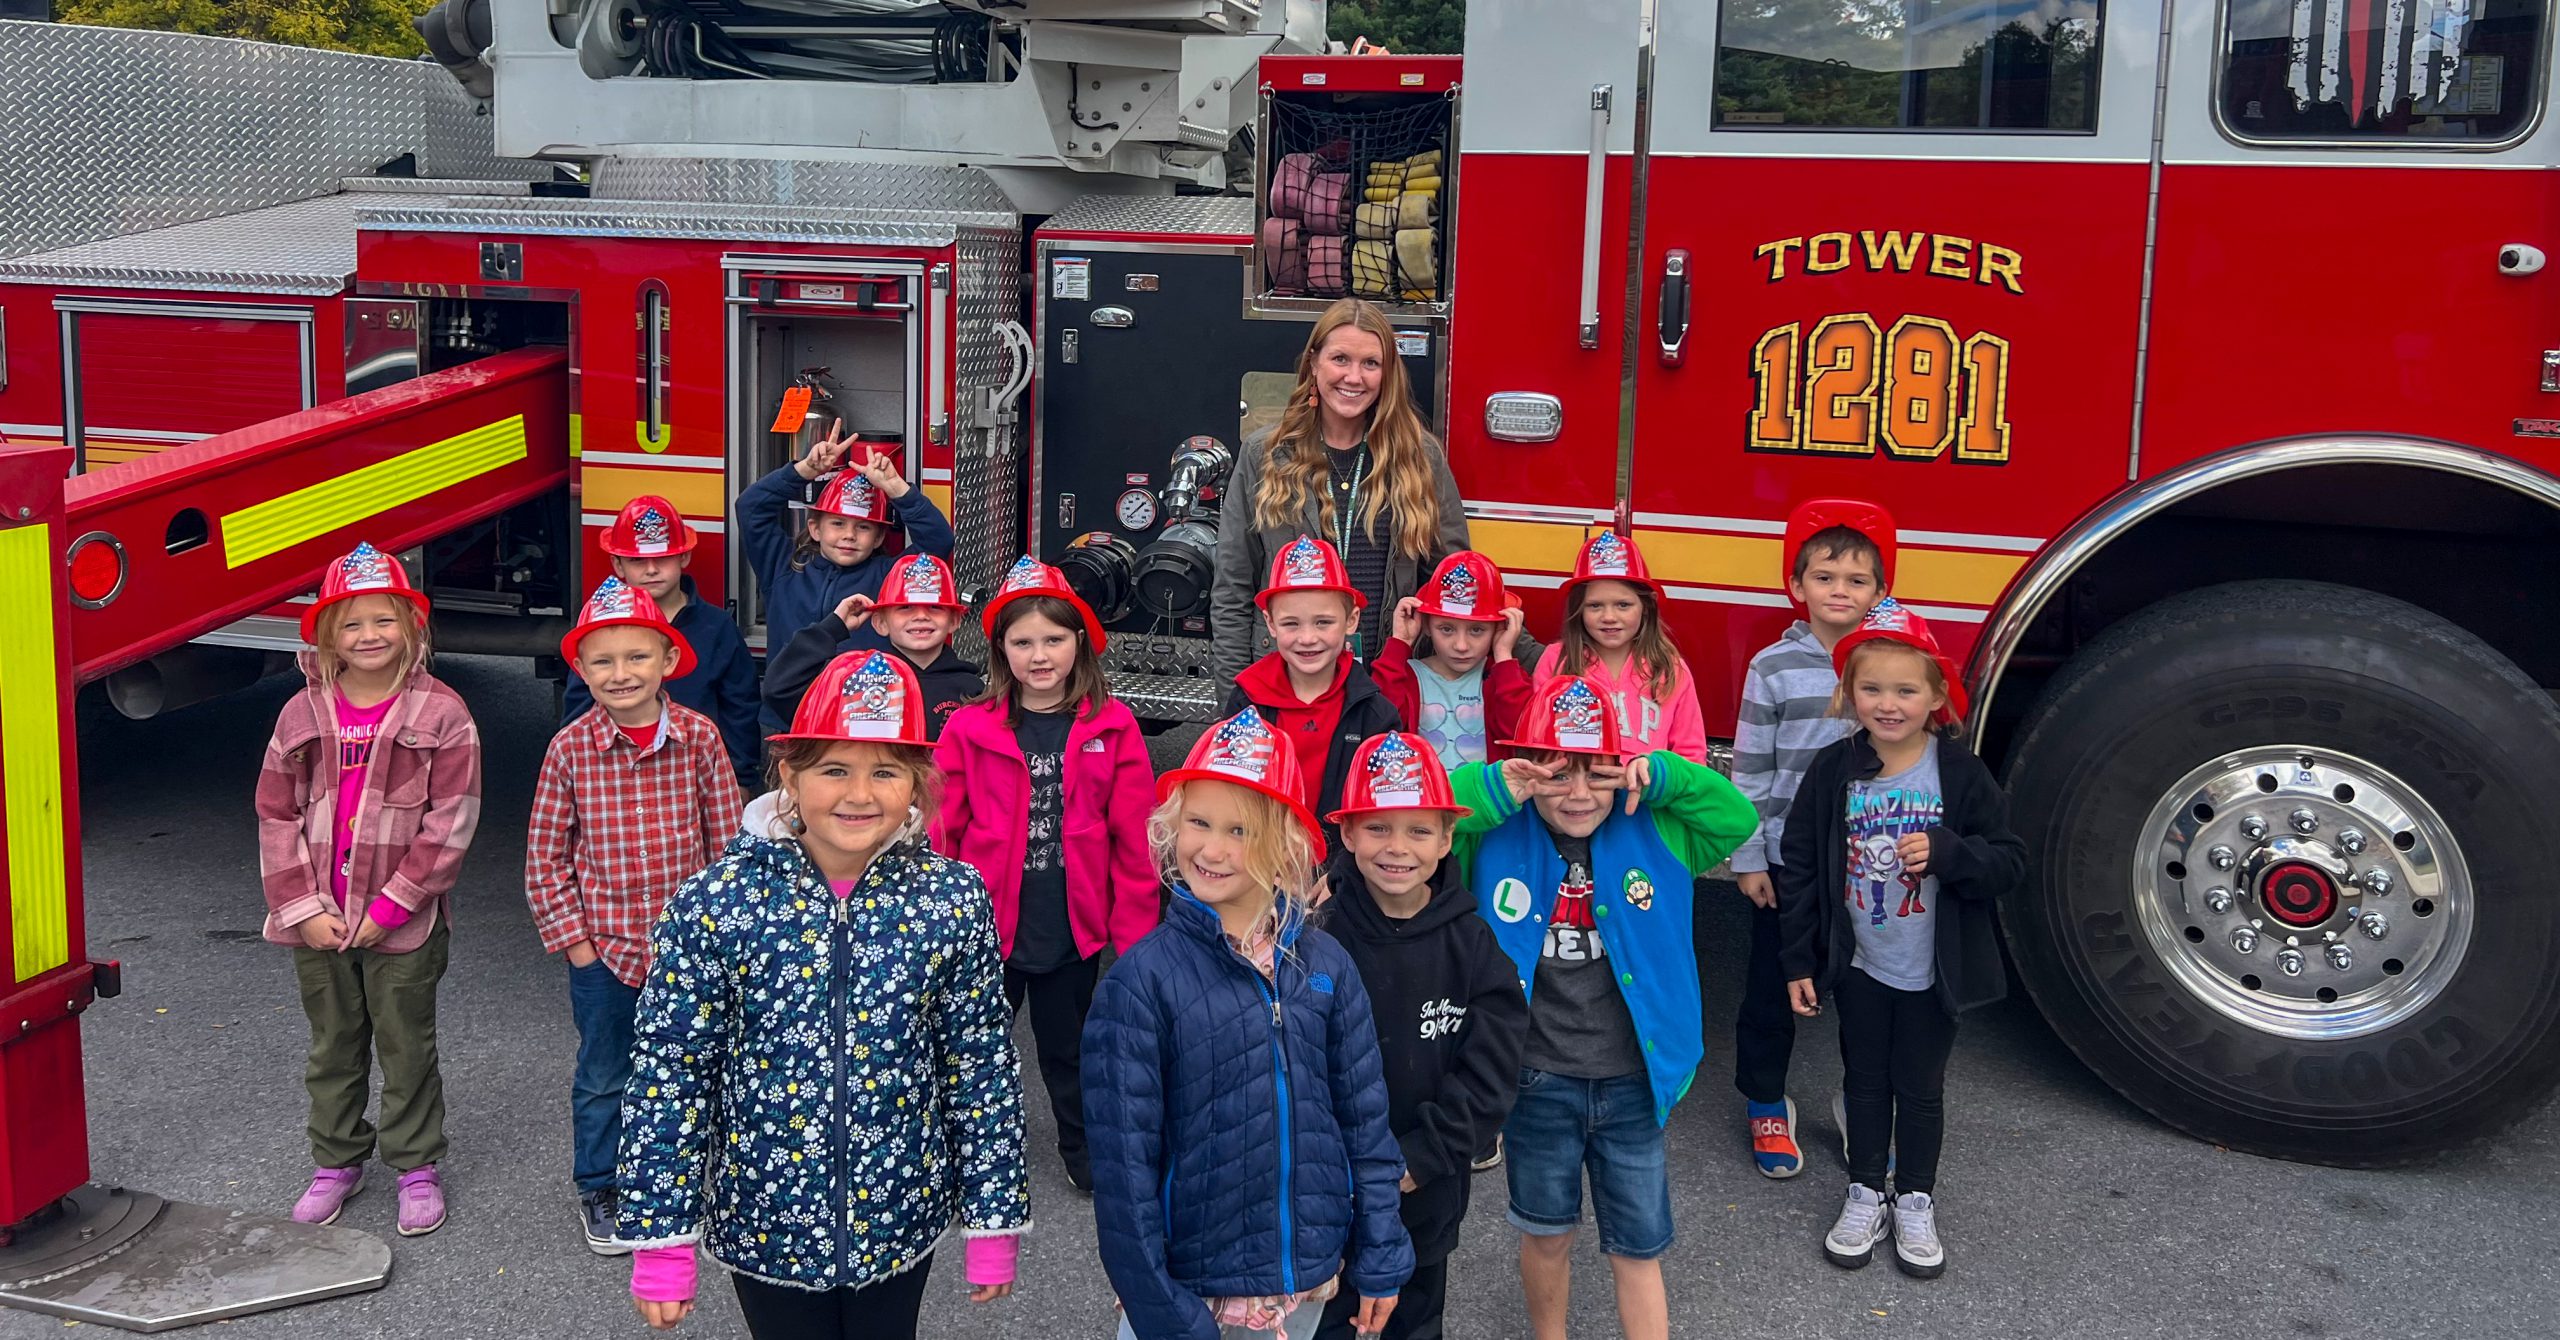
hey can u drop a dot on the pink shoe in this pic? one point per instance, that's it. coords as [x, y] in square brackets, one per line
[421, 1202]
[329, 1192]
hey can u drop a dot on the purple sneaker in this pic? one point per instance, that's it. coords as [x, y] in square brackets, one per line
[329, 1191]
[421, 1202]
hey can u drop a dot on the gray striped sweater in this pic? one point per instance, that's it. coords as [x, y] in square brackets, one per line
[1785, 721]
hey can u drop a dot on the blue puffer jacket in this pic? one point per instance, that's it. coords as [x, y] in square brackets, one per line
[1238, 1126]
[740, 1129]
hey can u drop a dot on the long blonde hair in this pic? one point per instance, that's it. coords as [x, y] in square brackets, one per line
[1297, 471]
[1280, 856]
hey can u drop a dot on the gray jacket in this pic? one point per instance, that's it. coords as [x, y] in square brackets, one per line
[1244, 554]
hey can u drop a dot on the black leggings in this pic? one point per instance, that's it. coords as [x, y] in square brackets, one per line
[885, 1310]
[1893, 1054]
[1058, 1002]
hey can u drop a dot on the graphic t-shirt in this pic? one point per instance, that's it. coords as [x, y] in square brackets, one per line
[1578, 1023]
[1890, 908]
[356, 728]
[1452, 712]
[1043, 941]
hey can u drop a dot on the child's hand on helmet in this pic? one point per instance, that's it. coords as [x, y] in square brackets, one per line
[882, 470]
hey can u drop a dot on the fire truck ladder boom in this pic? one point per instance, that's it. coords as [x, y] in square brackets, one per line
[168, 549]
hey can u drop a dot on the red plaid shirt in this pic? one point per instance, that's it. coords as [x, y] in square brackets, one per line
[617, 828]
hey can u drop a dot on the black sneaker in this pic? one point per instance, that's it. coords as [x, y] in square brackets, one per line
[596, 1212]
[1490, 1159]
[1079, 1171]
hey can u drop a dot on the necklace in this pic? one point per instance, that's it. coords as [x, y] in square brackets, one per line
[1342, 523]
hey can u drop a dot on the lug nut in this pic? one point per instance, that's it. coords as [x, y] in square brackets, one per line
[2289, 961]
[2374, 925]
[2341, 957]
[2217, 900]
[2376, 879]
[2223, 858]
[2304, 821]
[2253, 828]
[2351, 840]
[2245, 939]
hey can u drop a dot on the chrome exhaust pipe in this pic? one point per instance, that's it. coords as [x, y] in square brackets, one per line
[188, 675]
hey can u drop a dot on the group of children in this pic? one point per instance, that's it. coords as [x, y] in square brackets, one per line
[1388, 923]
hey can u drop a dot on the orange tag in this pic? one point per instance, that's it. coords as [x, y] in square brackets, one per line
[795, 409]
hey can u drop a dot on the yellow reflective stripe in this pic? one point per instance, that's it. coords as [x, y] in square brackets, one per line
[605, 488]
[280, 523]
[1526, 546]
[577, 435]
[31, 753]
[1744, 562]
[940, 496]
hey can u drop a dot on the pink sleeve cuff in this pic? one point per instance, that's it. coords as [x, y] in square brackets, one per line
[991, 1259]
[662, 1274]
[386, 912]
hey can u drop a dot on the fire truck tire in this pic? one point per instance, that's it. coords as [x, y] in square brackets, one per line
[2288, 888]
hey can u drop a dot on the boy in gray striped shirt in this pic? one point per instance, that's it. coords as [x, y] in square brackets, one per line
[1839, 562]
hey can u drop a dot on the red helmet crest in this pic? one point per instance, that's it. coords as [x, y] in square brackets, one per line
[1245, 750]
[1568, 716]
[617, 604]
[1395, 771]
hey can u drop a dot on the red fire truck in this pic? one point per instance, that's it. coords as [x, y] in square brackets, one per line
[2200, 353]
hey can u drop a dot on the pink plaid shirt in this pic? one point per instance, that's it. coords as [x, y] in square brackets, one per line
[617, 828]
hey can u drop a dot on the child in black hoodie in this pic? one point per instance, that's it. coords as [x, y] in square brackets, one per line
[1450, 1013]
[915, 614]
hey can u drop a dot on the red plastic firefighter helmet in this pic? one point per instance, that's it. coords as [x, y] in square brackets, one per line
[1568, 716]
[851, 493]
[1245, 750]
[1466, 585]
[1893, 621]
[1395, 771]
[1308, 564]
[1820, 514]
[1613, 557]
[1030, 577]
[366, 571]
[648, 527]
[616, 604]
[865, 696]
[919, 579]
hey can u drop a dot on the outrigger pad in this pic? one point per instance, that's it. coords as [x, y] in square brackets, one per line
[131, 1260]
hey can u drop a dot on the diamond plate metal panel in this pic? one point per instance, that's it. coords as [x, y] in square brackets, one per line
[987, 475]
[1222, 216]
[652, 218]
[307, 247]
[1169, 697]
[964, 195]
[105, 131]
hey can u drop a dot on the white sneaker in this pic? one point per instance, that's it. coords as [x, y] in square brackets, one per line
[1916, 1248]
[1863, 1223]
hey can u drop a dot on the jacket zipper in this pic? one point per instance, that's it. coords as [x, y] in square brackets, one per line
[840, 1134]
[1280, 1077]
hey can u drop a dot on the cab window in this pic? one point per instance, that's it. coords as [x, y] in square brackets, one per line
[1944, 65]
[2417, 72]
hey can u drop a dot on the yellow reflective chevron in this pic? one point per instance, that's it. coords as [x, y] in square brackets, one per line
[31, 753]
[279, 523]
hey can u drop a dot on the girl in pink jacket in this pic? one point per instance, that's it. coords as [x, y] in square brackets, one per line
[1046, 791]
[366, 804]
[1614, 637]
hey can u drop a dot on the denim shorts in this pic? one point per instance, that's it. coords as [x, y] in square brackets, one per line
[1562, 1126]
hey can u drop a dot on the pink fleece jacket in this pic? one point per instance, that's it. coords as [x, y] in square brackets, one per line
[1112, 885]
[1645, 722]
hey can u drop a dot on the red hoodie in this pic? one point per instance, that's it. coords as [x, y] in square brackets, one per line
[1309, 726]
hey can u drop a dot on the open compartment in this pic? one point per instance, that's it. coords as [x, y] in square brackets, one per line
[1355, 182]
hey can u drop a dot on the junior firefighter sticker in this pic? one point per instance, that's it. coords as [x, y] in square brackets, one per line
[1511, 900]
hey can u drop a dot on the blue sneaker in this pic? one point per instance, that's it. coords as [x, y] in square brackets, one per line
[1773, 1138]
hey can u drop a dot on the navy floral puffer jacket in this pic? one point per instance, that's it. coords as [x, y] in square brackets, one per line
[1238, 1126]
[821, 1087]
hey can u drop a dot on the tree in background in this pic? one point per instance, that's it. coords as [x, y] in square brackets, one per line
[1419, 27]
[374, 27]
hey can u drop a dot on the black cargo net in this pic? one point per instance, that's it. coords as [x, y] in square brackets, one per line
[1355, 198]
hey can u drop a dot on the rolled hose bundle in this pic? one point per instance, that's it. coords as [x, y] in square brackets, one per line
[1328, 265]
[1417, 209]
[1289, 185]
[1328, 211]
[1374, 221]
[1284, 254]
[1417, 262]
[1373, 269]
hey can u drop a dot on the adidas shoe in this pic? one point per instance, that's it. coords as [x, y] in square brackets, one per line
[1773, 1138]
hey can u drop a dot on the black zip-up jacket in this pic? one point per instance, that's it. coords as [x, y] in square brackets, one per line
[1971, 852]
[1365, 712]
[788, 673]
[1451, 1021]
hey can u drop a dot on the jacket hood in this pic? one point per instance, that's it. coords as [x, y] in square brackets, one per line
[1200, 921]
[1354, 911]
[1266, 683]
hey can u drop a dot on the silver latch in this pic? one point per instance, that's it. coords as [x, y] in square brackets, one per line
[2551, 370]
[1066, 511]
[1114, 318]
[1067, 347]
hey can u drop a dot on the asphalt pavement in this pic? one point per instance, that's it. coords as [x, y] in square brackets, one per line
[2066, 1211]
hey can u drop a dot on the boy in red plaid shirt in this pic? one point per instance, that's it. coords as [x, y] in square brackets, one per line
[633, 800]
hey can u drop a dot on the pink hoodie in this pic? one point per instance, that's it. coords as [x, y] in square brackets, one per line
[1113, 890]
[1671, 722]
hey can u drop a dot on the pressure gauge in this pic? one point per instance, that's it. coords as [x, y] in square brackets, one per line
[1137, 510]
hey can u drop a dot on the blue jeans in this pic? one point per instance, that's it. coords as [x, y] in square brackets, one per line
[604, 1009]
[1561, 1126]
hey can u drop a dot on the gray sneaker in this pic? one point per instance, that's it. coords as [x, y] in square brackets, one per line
[1863, 1223]
[1916, 1248]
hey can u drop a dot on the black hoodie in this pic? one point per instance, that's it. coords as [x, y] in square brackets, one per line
[1451, 1018]
[788, 673]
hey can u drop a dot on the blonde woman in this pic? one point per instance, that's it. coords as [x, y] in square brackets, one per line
[1349, 461]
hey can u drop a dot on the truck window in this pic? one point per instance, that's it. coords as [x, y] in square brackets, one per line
[2423, 72]
[1971, 65]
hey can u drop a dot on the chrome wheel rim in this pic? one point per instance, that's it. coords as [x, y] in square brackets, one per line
[2303, 892]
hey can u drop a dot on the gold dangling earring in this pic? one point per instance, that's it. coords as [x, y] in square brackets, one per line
[791, 819]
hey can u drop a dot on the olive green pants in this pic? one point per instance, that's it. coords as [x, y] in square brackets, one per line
[365, 1006]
